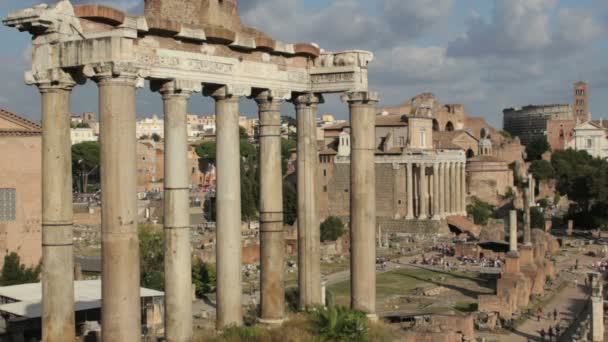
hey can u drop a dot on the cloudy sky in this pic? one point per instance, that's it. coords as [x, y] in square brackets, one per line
[486, 54]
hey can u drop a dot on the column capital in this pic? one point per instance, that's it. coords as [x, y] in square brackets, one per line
[170, 88]
[116, 73]
[360, 97]
[52, 79]
[227, 91]
[307, 99]
[271, 100]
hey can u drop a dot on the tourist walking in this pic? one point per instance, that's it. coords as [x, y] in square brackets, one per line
[550, 333]
[557, 332]
[555, 314]
[542, 334]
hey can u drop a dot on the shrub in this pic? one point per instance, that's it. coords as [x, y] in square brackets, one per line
[480, 211]
[338, 323]
[332, 229]
[542, 170]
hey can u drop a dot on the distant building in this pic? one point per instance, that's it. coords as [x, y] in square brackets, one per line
[150, 126]
[591, 136]
[80, 135]
[20, 188]
[555, 121]
[150, 165]
[530, 122]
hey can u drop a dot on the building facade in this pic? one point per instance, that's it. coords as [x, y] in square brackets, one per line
[20, 188]
[530, 122]
[591, 137]
[80, 135]
[416, 178]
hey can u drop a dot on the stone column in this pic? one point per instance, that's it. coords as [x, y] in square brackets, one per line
[121, 306]
[410, 193]
[436, 191]
[513, 231]
[363, 201]
[228, 204]
[442, 192]
[527, 223]
[309, 235]
[424, 213]
[463, 180]
[416, 190]
[178, 256]
[459, 190]
[447, 185]
[57, 250]
[453, 189]
[272, 237]
[597, 307]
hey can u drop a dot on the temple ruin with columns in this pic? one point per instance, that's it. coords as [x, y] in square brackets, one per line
[181, 48]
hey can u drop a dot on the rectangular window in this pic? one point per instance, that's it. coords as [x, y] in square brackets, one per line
[8, 204]
[324, 173]
[325, 188]
[589, 143]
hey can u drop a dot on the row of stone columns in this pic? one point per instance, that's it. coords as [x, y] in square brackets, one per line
[120, 249]
[435, 190]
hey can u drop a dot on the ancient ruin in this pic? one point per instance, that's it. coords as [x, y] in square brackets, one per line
[184, 47]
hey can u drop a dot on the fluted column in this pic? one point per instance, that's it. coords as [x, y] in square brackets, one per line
[447, 184]
[453, 189]
[121, 307]
[463, 195]
[178, 256]
[513, 231]
[410, 192]
[436, 192]
[424, 214]
[527, 222]
[228, 204]
[363, 201]
[459, 189]
[272, 237]
[309, 235]
[57, 216]
[442, 192]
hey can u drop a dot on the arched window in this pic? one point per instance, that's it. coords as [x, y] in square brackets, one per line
[435, 125]
[470, 153]
[449, 126]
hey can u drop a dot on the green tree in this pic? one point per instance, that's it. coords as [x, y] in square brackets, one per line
[82, 125]
[542, 170]
[290, 203]
[151, 257]
[156, 137]
[85, 163]
[537, 218]
[480, 211]
[286, 146]
[536, 148]
[207, 151]
[203, 277]
[15, 273]
[332, 229]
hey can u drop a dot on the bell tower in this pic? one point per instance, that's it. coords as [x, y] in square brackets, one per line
[580, 107]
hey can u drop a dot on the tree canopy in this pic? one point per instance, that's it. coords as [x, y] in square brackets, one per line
[332, 229]
[85, 163]
[542, 170]
[480, 211]
[15, 273]
[536, 148]
[585, 180]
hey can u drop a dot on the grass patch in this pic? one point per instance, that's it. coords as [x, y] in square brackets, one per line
[402, 281]
[466, 307]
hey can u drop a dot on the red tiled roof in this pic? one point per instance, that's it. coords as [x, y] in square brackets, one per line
[27, 127]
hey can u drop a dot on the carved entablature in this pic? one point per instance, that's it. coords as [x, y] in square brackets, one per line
[58, 19]
[72, 37]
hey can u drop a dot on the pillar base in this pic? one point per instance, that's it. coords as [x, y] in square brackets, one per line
[410, 217]
[372, 317]
[271, 322]
[436, 218]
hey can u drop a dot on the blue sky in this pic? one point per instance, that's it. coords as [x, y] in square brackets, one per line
[486, 54]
